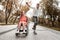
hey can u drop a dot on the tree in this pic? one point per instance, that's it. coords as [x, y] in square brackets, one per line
[49, 6]
[8, 10]
[12, 10]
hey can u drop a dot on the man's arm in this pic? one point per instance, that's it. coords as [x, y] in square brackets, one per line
[29, 5]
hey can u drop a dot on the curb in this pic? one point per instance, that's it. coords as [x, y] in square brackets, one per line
[7, 31]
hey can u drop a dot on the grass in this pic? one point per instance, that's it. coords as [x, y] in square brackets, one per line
[54, 28]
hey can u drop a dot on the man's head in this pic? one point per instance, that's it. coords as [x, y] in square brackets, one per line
[37, 6]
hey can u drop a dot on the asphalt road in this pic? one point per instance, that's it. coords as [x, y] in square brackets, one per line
[42, 34]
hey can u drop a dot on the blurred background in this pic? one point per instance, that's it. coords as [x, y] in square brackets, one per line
[10, 11]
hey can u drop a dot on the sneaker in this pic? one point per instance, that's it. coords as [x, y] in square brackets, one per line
[25, 28]
[24, 31]
[35, 33]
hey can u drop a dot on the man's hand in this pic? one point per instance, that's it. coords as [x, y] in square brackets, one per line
[27, 4]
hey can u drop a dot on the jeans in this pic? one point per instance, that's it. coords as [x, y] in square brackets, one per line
[35, 22]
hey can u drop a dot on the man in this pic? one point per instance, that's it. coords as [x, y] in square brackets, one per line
[35, 16]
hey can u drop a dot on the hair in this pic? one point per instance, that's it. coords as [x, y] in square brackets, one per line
[37, 3]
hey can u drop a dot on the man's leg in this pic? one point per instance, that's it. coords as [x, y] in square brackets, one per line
[35, 23]
[34, 27]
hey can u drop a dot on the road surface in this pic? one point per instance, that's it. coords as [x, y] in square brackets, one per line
[42, 34]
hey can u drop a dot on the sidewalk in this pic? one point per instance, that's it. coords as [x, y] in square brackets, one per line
[7, 28]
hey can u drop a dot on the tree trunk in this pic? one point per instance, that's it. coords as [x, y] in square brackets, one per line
[14, 20]
[9, 11]
[6, 16]
[53, 20]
